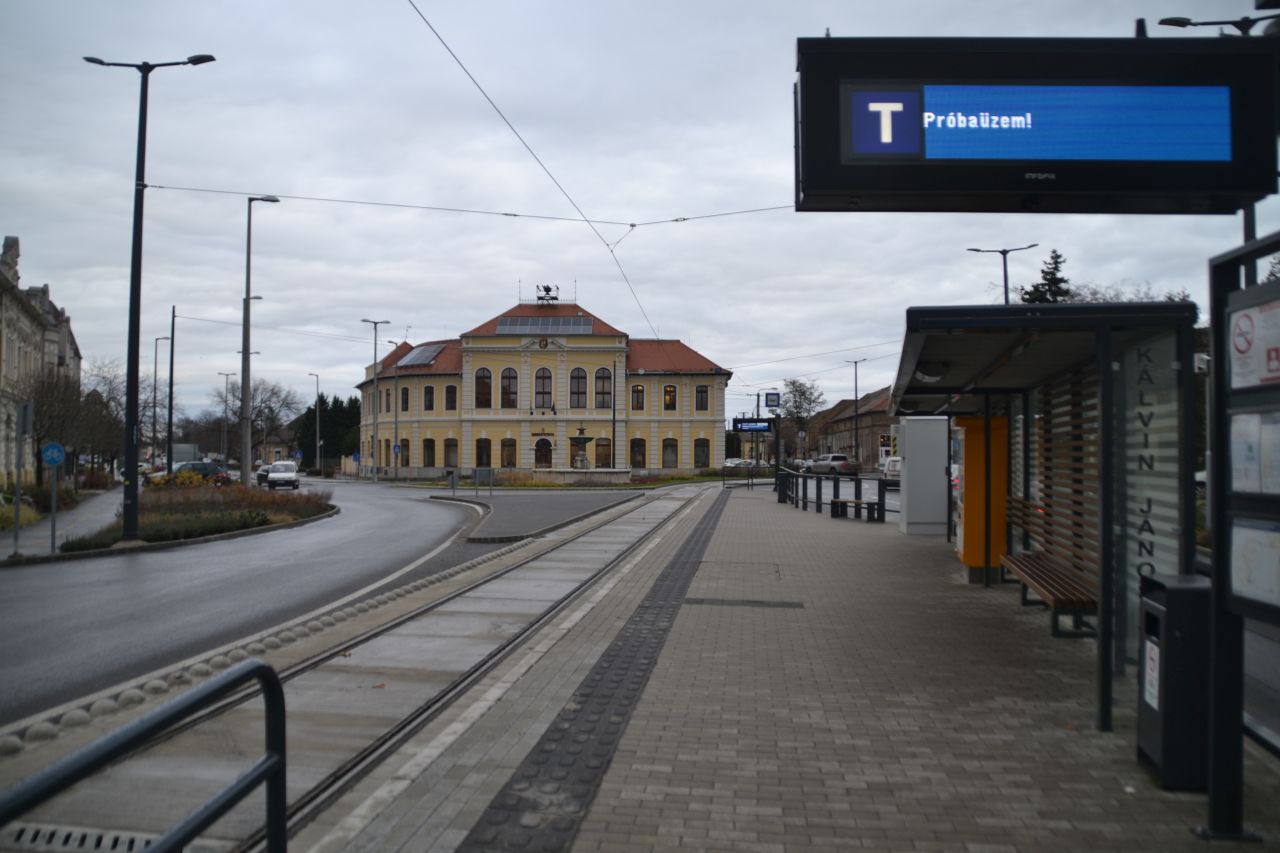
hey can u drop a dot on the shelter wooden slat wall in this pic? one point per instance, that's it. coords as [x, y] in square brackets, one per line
[1062, 517]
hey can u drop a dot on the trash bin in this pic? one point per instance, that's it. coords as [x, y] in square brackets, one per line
[1173, 680]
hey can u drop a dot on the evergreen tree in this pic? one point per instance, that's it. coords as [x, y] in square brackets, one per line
[1053, 286]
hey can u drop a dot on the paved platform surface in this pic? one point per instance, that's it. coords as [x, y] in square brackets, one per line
[824, 685]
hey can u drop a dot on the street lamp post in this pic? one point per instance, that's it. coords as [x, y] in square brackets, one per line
[249, 453]
[376, 401]
[129, 507]
[318, 465]
[155, 375]
[246, 448]
[173, 340]
[1004, 258]
[857, 449]
[226, 393]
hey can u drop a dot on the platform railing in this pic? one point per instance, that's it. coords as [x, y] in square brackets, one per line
[269, 769]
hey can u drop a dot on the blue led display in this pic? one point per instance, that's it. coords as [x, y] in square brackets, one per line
[1080, 123]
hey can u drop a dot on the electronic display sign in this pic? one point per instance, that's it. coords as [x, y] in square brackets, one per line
[751, 424]
[1053, 125]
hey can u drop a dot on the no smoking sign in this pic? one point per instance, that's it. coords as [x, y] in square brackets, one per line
[1255, 346]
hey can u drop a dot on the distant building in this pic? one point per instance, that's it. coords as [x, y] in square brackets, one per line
[832, 430]
[35, 340]
[511, 393]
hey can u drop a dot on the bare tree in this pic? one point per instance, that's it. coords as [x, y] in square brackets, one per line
[55, 399]
[101, 426]
[271, 406]
[800, 400]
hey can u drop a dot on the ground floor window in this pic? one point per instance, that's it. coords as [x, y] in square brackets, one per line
[702, 453]
[604, 453]
[429, 452]
[637, 453]
[508, 453]
[542, 454]
[386, 451]
[670, 453]
[404, 452]
[483, 457]
[451, 453]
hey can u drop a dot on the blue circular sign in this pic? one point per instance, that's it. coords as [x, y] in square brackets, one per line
[52, 453]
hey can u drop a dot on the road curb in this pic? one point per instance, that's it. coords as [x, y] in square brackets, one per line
[34, 559]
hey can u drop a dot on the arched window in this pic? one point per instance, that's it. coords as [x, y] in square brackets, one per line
[542, 389]
[577, 388]
[403, 458]
[484, 458]
[510, 390]
[701, 398]
[387, 404]
[670, 453]
[508, 453]
[542, 454]
[669, 398]
[604, 453]
[404, 399]
[451, 398]
[637, 398]
[702, 452]
[429, 398]
[484, 391]
[604, 388]
[451, 453]
[638, 453]
[429, 452]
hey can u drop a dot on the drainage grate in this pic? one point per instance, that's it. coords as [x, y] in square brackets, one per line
[542, 806]
[743, 602]
[52, 838]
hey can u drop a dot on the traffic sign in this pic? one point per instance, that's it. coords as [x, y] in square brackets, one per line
[355, 457]
[297, 454]
[395, 450]
[53, 454]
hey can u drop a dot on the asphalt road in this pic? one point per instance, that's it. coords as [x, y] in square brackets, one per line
[68, 629]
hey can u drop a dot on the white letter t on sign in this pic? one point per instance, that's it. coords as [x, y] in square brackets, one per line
[886, 111]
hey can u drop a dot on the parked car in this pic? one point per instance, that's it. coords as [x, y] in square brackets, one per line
[833, 463]
[282, 475]
[210, 471]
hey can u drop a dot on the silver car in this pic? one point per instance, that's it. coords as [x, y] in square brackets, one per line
[283, 475]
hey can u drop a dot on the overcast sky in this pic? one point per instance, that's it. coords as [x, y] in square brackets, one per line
[642, 112]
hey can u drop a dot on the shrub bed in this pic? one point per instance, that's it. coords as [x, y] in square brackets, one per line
[176, 513]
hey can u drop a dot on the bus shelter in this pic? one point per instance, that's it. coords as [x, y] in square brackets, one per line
[1096, 406]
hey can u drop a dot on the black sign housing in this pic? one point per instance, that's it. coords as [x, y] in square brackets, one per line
[843, 77]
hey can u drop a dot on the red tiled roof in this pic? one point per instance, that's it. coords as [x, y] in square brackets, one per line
[660, 356]
[545, 309]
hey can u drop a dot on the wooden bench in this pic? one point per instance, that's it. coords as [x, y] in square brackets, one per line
[840, 508]
[1062, 573]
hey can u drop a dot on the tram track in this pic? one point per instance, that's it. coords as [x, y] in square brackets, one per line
[554, 577]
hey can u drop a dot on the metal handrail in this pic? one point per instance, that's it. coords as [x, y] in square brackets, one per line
[270, 768]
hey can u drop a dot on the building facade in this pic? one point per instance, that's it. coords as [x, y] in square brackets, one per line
[512, 392]
[35, 340]
[832, 430]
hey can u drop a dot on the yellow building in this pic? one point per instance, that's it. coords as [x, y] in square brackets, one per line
[512, 391]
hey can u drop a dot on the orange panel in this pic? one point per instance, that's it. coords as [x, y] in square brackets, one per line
[970, 515]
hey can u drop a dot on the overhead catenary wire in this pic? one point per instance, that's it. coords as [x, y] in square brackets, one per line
[626, 278]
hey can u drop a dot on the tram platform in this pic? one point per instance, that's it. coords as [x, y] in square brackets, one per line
[762, 679]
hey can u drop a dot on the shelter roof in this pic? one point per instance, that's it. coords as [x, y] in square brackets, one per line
[954, 356]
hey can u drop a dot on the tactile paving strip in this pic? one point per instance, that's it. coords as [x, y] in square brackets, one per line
[544, 803]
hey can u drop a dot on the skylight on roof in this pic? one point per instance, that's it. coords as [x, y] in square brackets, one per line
[544, 325]
[420, 355]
